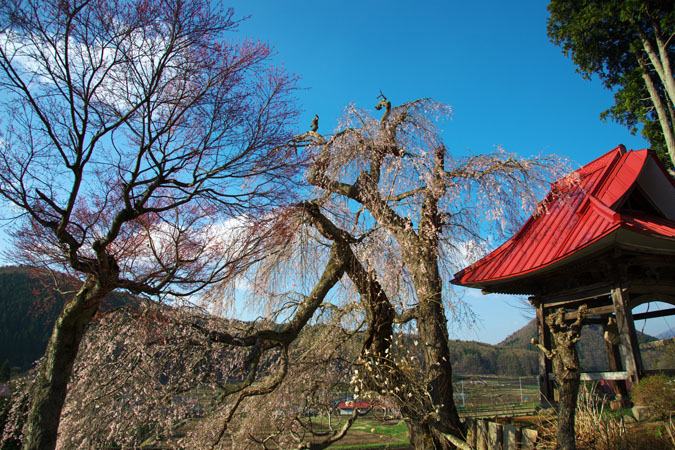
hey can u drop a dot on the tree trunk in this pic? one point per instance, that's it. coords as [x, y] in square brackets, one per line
[668, 133]
[433, 333]
[435, 414]
[567, 371]
[660, 61]
[432, 327]
[421, 437]
[568, 390]
[50, 386]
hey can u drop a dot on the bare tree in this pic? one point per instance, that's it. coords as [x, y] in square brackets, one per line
[140, 151]
[403, 210]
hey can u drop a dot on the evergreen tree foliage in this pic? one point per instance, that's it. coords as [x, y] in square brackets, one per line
[628, 45]
[28, 309]
[5, 372]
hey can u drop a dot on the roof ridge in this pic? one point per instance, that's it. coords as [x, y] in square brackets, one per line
[617, 155]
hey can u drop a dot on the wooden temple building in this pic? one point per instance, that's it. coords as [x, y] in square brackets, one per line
[604, 237]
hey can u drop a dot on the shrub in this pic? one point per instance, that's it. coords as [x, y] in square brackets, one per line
[657, 391]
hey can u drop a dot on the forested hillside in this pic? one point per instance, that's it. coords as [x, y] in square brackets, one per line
[29, 305]
[477, 358]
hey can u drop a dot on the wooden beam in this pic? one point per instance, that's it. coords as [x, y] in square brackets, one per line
[640, 299]
[575, 295]
[597, 311]
[652, 314]
[609, 309]
[614, 359]
[662, 288]
[597, 376]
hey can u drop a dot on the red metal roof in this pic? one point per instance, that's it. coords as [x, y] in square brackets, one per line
[352, 405]
[579, 211]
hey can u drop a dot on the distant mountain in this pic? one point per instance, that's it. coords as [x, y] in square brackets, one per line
[29, 306]
[591, 346]
[522, 337]
[668, 334]
[478, 358]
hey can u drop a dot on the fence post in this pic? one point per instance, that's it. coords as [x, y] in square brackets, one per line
[481, 435]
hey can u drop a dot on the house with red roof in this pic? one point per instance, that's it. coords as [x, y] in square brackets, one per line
[604, 236]
[347, 408]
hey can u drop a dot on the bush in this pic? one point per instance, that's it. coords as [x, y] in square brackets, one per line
[657, 391]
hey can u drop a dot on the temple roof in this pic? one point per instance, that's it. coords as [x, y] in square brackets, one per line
[623, 198]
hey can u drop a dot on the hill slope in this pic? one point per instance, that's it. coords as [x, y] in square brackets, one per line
[28, 309]
[591, 346]
[29, 306]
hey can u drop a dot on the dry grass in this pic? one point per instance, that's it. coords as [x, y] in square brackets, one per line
[597, 429]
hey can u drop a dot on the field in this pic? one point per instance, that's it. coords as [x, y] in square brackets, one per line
[374, 433]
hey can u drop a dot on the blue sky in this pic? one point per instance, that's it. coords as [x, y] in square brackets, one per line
[491, 61]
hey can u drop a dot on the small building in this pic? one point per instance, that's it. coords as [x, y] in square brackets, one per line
[604, 237]
[347, 408]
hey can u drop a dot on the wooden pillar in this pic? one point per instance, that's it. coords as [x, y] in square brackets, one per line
[615, 365]
[545, 367]
[630, 349]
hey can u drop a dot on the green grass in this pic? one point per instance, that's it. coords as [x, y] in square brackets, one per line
[397, 432]
[617, 413]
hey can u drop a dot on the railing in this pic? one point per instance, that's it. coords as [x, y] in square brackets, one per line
[498, 411]
[487, 435]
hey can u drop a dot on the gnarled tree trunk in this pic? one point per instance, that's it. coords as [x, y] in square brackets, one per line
[567, 371]
[49, 390]
[433, 333]
[395, 169]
